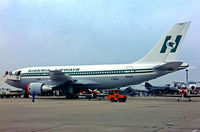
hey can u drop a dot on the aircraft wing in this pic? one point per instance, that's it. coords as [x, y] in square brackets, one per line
[59, 76]
[169, 66]
[59, 80]
[197, 87]
[179, 83]
[183, 83]
[191, 95]
[175, 82]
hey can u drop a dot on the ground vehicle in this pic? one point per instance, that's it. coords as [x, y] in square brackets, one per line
[5, 92]
[93, 94]
[114, 96]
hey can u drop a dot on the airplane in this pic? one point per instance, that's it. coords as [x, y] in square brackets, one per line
[186, 89]
[190, 85]
[161, 89]
[132, 90]
[184, 94]
[161, 60]
[193, 85]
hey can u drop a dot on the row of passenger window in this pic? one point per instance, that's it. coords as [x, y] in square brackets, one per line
[80, 73]
[96, 73]
[35, 74]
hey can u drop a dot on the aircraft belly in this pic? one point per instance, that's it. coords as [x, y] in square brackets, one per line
[107, 82]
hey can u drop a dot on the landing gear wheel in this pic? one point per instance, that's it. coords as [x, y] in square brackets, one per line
[124, 100]
[68, 96]
[26, 95]
[112, 100]
[178, 100]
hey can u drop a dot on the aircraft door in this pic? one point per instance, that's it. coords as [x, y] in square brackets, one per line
[129, 71]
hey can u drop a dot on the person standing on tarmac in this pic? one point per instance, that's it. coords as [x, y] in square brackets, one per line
[33, 96]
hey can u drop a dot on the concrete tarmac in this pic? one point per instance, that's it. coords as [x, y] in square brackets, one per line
[138, 114]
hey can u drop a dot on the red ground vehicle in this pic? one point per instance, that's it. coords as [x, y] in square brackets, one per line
[114, 96]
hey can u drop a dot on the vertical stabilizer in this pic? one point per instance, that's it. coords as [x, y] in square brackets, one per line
[167, 48]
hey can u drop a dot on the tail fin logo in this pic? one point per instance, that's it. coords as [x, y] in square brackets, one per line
[171, 44]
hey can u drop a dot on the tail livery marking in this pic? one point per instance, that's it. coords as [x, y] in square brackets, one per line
[168, 43]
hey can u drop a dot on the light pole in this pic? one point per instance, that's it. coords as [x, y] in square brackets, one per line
[186, 76]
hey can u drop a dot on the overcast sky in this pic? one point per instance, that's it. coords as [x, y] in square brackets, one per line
[78, 32]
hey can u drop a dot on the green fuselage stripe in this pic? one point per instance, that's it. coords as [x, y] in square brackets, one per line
[81, 73]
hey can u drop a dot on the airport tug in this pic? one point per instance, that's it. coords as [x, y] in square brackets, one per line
[114, 96]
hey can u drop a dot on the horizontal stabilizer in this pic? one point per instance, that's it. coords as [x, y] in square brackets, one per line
[169, 66]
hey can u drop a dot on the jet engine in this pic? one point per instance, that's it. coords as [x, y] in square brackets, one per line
[192, 86]
[38, 88]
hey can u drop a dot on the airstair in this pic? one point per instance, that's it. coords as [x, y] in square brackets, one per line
[9, 77]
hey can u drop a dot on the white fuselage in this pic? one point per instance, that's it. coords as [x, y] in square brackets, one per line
[102, 76]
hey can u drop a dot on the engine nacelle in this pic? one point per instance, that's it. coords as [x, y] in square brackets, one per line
[38, 88]
[192, 87]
